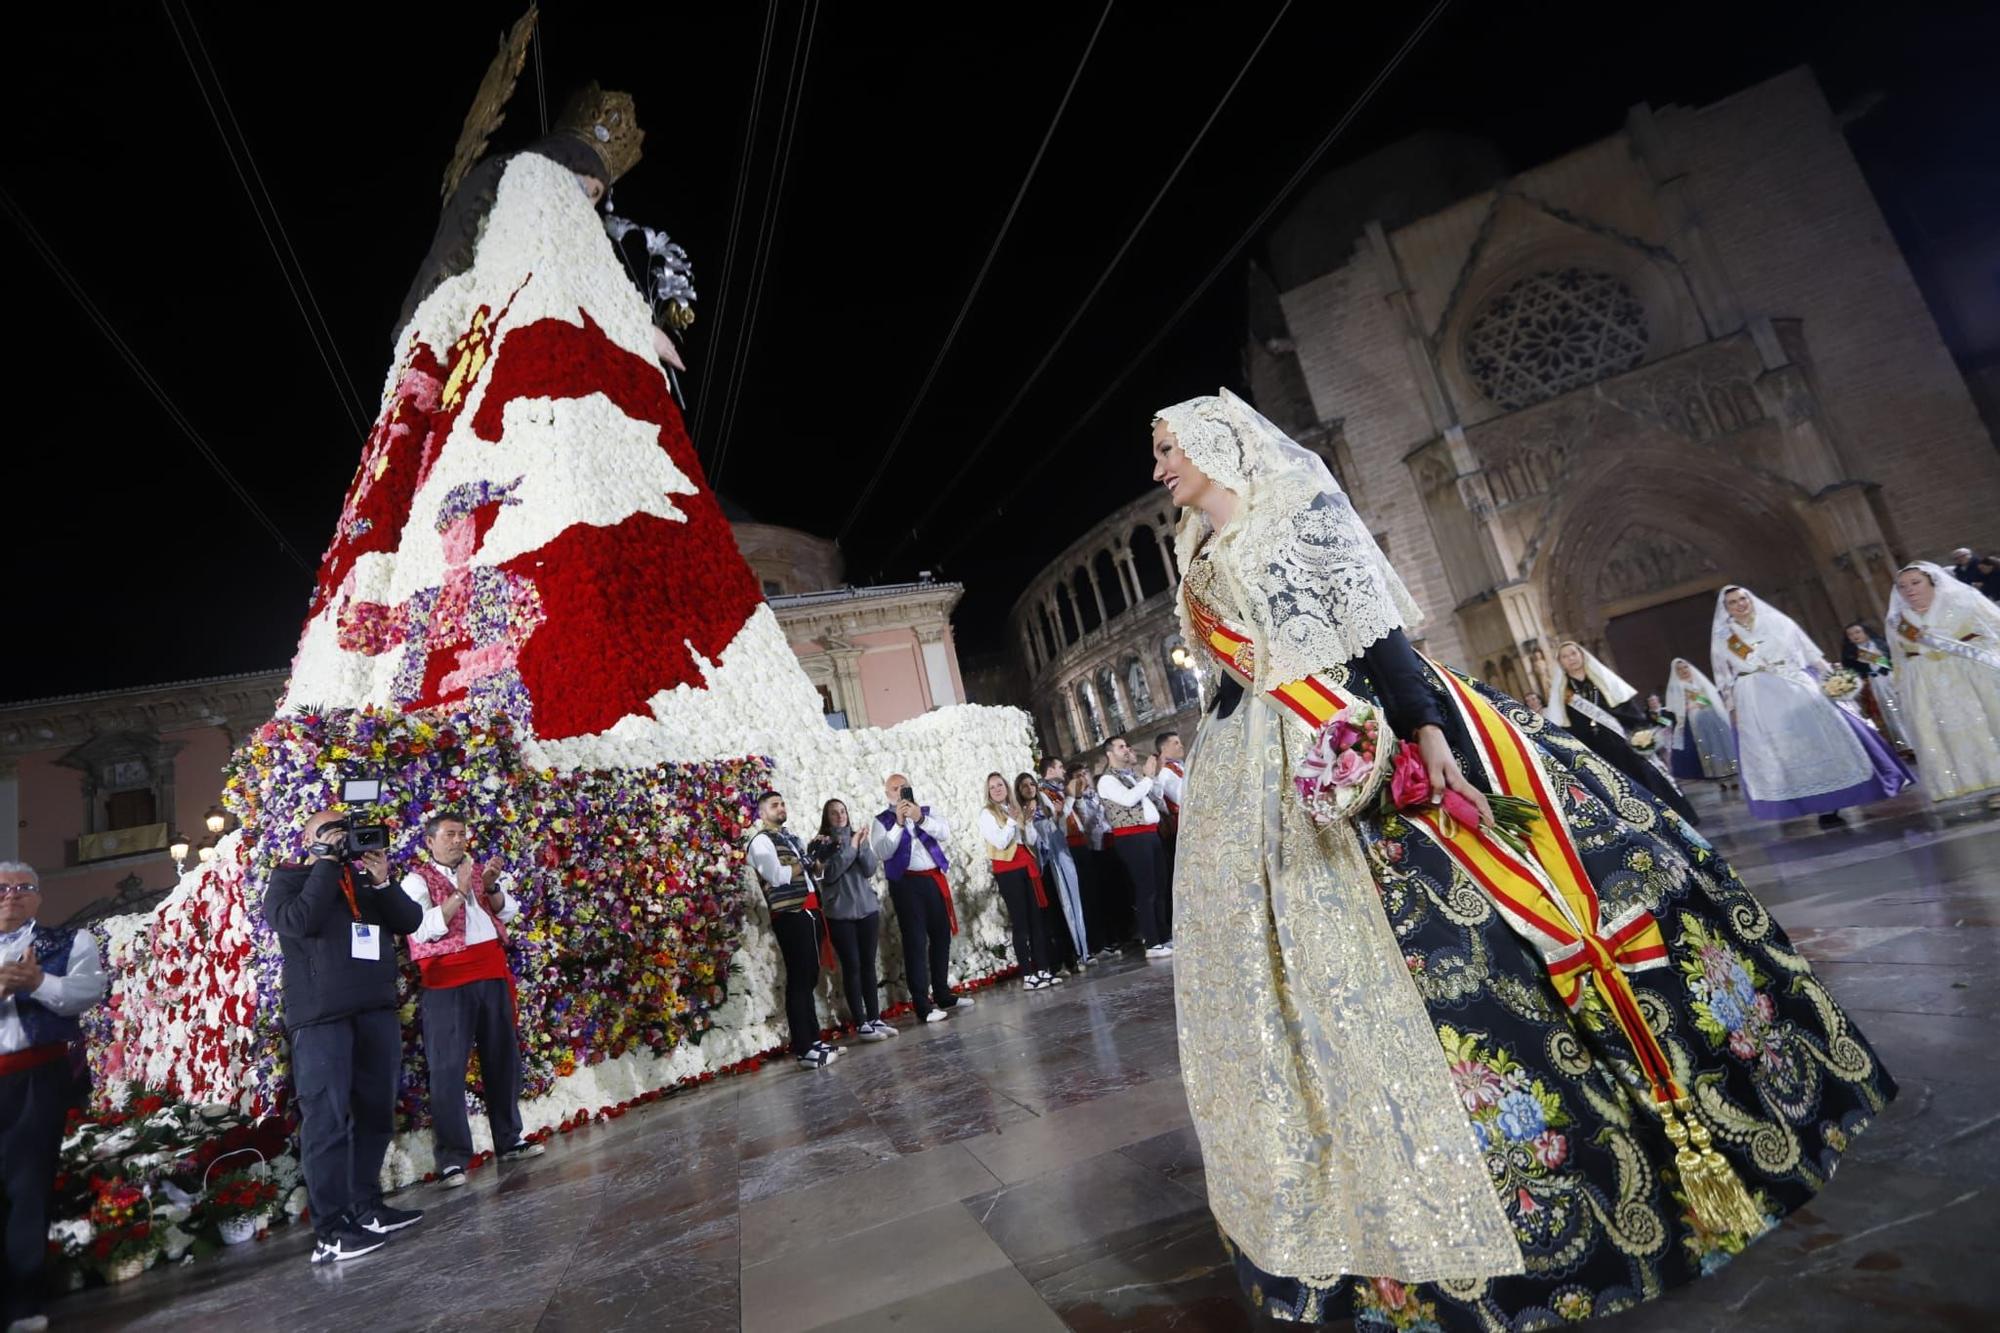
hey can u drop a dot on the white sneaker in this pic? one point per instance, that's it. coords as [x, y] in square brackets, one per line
[831, 1052]
[1053, 978]
[1160, 951]
[887, 1029]
[937, 1015]
[873, 1032]
[962, 1002]
[1035, 981]
[816, 1058]
[451, 1178]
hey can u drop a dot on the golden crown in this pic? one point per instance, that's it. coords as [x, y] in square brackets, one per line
[609, 123]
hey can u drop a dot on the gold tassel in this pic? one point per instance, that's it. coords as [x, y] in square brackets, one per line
[1715, 1193]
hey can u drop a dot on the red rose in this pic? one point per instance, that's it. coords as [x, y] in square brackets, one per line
[1409, 780]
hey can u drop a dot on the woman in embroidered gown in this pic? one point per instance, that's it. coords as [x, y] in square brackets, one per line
[1947, 637]
[1863, 652]
[1425, 1088]
[1593, 703]
[1800, 752]
[1704, 746]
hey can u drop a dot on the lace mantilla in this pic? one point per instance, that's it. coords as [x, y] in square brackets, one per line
[1316, 588]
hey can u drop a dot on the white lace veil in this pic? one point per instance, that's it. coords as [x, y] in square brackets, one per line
[1608, 682]
[1678, 690]
[1322, 590]
[1956, 603]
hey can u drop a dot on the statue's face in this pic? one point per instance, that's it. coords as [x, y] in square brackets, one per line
[593, 188]
[1917, 589]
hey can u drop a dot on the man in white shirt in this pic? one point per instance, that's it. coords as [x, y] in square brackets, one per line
[1127, 793]
[1170, 782]
[788, 873]
[48, 976]
[468, 994]
[909, 842]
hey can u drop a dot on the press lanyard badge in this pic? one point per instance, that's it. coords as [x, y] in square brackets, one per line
[363, 940]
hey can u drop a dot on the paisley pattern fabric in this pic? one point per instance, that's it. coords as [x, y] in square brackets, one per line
[1551, 1102]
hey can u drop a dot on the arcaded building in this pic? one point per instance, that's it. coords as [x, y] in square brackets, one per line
[1097, 638]
[1576, 400]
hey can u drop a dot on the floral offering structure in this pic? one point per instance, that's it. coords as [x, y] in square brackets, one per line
[532, 611]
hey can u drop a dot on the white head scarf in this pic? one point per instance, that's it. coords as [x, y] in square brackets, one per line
[1318, 588]
[1678, 690]
[1608, 682]
[1956, 601]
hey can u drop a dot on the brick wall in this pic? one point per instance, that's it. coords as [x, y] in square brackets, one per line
[1799, 234]
[1352, 350]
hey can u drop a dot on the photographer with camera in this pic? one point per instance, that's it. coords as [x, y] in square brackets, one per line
[339, 1008]
[468, 995]
[786, 871]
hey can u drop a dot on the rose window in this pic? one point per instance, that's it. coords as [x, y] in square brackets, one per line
[1552, 332]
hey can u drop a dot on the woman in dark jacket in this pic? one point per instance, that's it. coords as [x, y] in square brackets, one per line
[853, 916]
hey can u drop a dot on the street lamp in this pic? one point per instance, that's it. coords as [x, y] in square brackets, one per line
[177, 848]
[206, 852]
[216, 819]
[1180, 657]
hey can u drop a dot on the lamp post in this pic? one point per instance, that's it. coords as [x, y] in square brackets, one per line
[217, 819]
[177, 848]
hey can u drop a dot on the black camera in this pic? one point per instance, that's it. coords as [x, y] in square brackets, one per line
[359, 839]
[822, 848]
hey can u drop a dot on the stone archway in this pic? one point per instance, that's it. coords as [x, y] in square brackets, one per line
[1646, 535]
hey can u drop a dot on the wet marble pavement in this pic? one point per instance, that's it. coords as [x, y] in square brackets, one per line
[1031, 1166]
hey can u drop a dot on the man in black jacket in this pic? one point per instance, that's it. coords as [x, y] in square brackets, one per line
[335, 921]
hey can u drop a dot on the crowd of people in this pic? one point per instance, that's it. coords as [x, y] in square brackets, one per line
[1084, 865]
[1919, 704]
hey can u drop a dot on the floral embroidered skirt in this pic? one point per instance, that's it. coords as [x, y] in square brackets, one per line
[1587, 1181]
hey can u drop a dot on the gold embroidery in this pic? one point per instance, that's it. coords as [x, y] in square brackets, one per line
[1333, 1140]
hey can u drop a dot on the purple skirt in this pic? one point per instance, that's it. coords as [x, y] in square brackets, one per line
[1891, 776]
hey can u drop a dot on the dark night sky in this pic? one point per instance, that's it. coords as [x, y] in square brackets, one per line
[130, 563]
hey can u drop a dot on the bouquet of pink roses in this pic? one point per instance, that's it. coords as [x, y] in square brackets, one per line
[1344, 765]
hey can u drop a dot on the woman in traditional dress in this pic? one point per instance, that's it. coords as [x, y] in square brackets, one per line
[1801, 754]
[1947, 637]
[1704, 745]
[1426, 1092]
[1007, 831]
[1063, 921]
[1863, 651]
[1595, 704]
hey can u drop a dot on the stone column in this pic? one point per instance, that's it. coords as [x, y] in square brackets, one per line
[846, 659]
[1096, 592]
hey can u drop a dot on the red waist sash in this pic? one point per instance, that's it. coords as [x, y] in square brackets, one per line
[1021, 860]
[485, 961]
[15, 1062]
[1130, 829]
[944, 888]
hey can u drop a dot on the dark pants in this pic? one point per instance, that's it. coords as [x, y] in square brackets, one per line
[798, 940]
[1031, 936]
[344, 1076]
[1169, 849]
[1092, 887]
[1141, 854]
[854, 942]
[926, 929]
[34, 1104]
[456, 1020]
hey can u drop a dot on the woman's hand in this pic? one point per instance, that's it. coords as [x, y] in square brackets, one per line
[1445, 775]
[665, 351]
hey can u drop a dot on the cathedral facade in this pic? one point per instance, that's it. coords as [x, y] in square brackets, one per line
[1577, 400]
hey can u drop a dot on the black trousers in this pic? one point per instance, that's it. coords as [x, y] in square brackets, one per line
[458, 1019]
[1141, 854]
[1092, 887]
[344, 1076]
[854, 944]
[1031, 935]
[926, 929]
[798, 941]
[34, 1105]
[1169, 851]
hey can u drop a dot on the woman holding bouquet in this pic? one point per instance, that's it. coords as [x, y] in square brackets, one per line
[1414, 927]
[1704, 745]
[1801, 753]
[1947, 637]
[1595, 705]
